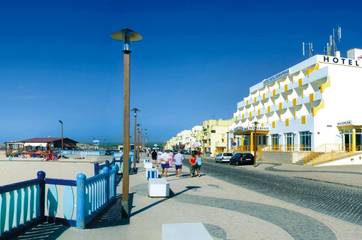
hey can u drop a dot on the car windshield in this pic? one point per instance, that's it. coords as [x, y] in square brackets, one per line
[228, 154]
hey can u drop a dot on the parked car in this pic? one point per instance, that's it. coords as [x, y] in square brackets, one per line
[242, 159]
[223, 157]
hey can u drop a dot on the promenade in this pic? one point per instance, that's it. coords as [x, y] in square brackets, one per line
[226, 210]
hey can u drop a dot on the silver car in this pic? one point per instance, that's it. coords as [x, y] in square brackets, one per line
[223, 157]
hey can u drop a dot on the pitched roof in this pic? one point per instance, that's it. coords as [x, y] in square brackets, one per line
[44, 140]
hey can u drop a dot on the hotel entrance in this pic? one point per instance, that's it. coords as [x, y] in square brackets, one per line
[247, 136]
[351, 137]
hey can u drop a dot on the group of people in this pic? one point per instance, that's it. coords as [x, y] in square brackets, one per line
[195, 162]
[167, 159]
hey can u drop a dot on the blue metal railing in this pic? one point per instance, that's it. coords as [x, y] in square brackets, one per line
[21, 205]
[94, 194]
[84, 153]
[25, 204]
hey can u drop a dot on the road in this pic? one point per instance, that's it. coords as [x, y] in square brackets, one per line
[335, 200]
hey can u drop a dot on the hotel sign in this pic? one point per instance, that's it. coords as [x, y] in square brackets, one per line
[344, 123]
[342, 61]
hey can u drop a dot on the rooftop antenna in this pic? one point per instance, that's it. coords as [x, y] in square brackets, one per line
[310, 49]
[334, 38]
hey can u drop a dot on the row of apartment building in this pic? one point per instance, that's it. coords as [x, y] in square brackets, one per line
[313, 106]
[211, 137]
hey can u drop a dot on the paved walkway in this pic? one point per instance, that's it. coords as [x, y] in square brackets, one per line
[227, 211]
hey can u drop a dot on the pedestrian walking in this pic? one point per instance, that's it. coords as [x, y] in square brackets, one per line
[192, 162]
[154, 158]
[170, 159]
[164, 161]
[178, 158]
[198, 164]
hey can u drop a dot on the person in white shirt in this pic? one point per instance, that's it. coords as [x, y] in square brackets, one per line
[164, 161]
[178, 158]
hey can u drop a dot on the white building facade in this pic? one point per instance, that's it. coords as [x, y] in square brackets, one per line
[312, 106]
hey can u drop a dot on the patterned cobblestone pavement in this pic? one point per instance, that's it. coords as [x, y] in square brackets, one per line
[288, 220]
[292, 222]
[339, 201]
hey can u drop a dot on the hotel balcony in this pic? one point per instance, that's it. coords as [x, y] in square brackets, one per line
[316, 75]
[241, 105]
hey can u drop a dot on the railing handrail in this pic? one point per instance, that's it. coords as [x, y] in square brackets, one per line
[64, 182]
[18, 185]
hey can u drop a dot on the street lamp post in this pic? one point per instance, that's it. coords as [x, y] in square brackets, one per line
[227, 141]
[135, 144]
[138, 140]
[127, 36]
[255, 139]
[62, 135]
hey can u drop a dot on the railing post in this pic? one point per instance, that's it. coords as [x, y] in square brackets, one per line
[41, 177]
[115, 169]
[81, 201]
[96, 168]
[106, 172]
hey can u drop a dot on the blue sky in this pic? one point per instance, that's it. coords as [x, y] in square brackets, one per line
[196, 61]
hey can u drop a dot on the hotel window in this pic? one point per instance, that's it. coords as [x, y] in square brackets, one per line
[262, 140]
[289, 141]
[275, 142]
[287, 122]
[273, 124]
[305, 141]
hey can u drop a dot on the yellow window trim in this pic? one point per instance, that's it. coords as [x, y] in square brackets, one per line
[311, 97]
[287, 122]
[304, 119]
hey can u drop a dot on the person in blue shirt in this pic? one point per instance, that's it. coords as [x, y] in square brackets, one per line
[198, 164]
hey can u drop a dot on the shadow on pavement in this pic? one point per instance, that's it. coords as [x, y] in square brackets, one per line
[114, 215]
[44, 231]
[172, 194]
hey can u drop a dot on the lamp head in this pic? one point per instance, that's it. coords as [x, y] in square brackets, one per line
[60, 121]
[126, 35]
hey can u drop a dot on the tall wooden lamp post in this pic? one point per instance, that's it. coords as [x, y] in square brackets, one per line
[127, 36]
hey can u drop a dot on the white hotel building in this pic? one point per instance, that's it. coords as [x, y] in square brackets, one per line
[315, 105]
